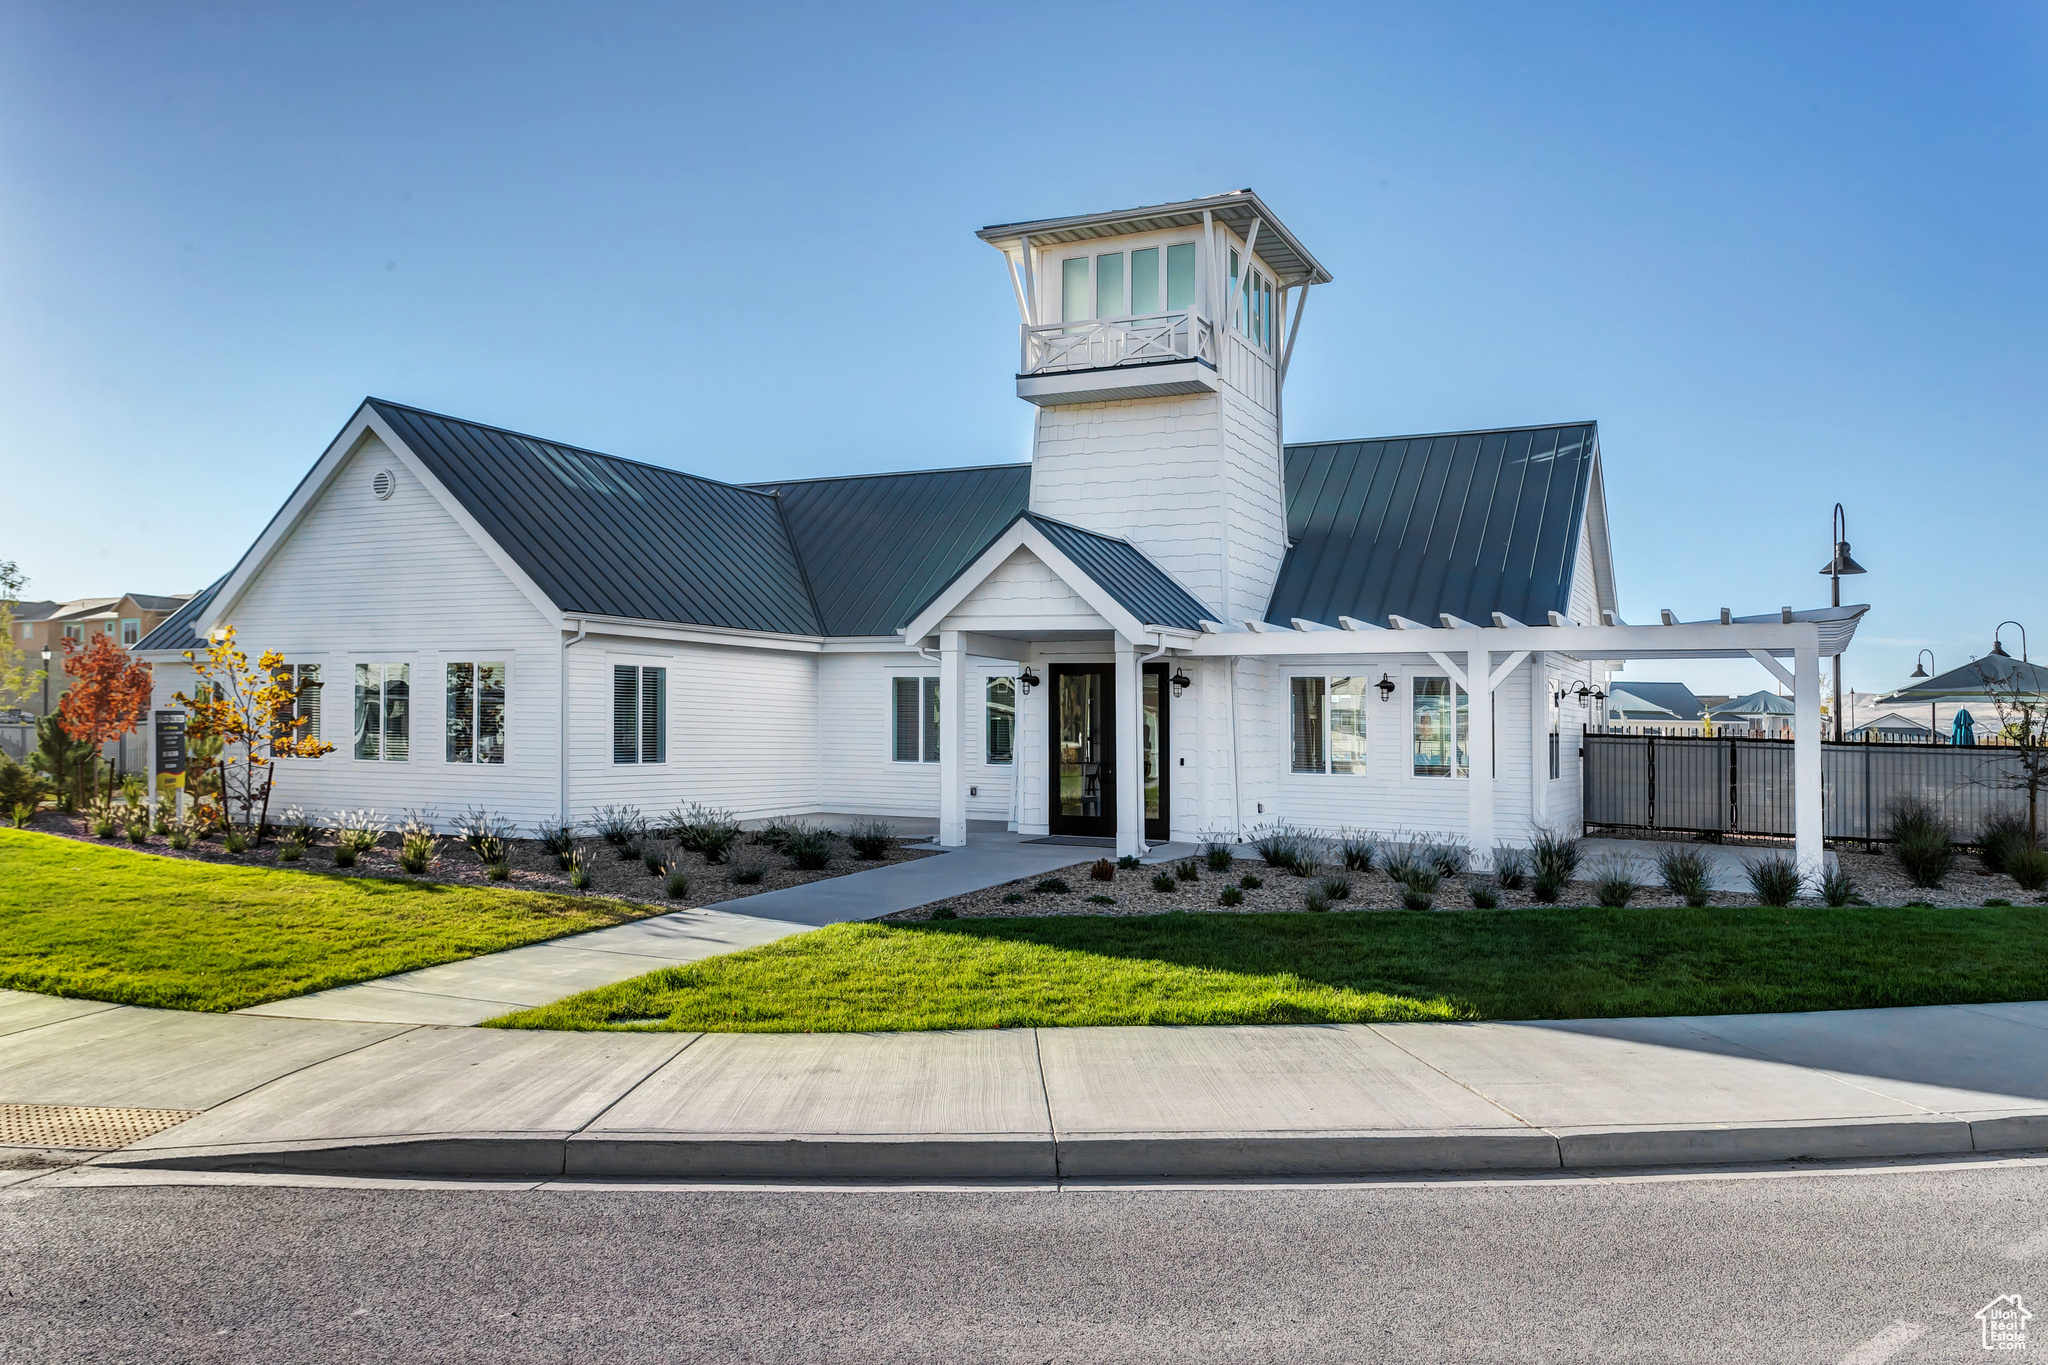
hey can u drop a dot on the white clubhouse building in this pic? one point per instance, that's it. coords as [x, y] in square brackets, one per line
[1171, 623]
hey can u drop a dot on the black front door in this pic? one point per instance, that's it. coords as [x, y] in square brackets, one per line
[1083, 756]
[1152, 751]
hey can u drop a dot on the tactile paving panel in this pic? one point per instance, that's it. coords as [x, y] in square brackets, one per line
[83, 1126]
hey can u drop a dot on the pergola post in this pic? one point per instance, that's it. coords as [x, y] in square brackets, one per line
[952, 740]
[1539, 738]
[1130, 765]
[1479, 752]
[1807, 830]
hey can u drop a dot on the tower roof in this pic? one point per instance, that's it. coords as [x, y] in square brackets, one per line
[1235, 210]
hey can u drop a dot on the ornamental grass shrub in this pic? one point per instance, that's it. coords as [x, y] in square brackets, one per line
[1614, 880]
[1921, 840]
[2000, 838]
[1774, 879]
[1685, 872]
[1102, 870]
[871, 839]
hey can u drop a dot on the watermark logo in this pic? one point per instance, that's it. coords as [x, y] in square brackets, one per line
[2005, 1321]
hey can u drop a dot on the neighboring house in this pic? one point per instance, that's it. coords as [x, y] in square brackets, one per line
[1169, 623]
[1654, 708]
[46, 625]
[1890, 728]
[1765, 713]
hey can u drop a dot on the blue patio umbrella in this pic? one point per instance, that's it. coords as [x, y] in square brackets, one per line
[1965, 729]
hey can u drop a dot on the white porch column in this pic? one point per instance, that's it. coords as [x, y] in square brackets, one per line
[952, 739]
[1479, 748]
[1130, 765]
[1806, 761]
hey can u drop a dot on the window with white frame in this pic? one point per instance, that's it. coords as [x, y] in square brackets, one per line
[914, 717]
[476, 712]
[384, 712]
[1254, 294]
[1327, 722]
[1441, 719]
[1118, 284]
[1000, 723]
[131, 631]
[304, 681]
[639, 713]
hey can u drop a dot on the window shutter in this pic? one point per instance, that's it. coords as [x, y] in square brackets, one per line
[625, 714]
[1305, 705]
[931, 720]
[653, 715]
[905, 714]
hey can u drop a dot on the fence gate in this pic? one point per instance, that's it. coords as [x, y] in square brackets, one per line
[1744, 786]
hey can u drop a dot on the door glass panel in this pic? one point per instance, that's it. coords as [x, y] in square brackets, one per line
[1074, 290]
[1109, 286]
[1180, 277]
[1081, 749]
[1154, 745]
[1145, 281]
[1347, 725]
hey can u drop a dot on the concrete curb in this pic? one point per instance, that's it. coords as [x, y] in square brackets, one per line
[1034, 1157]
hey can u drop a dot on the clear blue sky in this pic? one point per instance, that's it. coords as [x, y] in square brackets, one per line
[1784, 255]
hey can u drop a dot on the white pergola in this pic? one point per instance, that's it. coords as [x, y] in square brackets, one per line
[1478, 658]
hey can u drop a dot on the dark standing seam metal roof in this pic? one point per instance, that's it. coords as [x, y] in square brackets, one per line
[1118, 567]
[175, 631]
[878, 546]
[1468, 523]
[612, 537]
[1676, 698]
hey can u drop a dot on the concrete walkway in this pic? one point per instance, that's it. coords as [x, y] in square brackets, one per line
[480, 988]
[1039, 1104]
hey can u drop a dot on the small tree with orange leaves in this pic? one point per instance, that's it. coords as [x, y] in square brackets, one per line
[250, 712]
[108, 696]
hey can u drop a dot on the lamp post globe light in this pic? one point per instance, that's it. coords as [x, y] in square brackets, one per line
[1840, 564]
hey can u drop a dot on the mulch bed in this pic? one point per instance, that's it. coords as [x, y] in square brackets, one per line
[1877, 877]
[533, 867]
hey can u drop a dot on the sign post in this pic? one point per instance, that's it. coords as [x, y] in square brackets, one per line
[167, 766]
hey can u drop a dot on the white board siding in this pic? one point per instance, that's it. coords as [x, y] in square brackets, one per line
[397, 580]
[1585, 593]
[742, 729]
[856, 739]
[1023, 588]
[1257, 523]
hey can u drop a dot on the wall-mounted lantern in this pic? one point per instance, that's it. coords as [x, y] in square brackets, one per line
[1027, 680]
[1387, 687]
[1179, 682]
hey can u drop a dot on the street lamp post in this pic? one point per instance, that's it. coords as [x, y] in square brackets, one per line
[46, 680]
[1834, 569]
[1933, 733]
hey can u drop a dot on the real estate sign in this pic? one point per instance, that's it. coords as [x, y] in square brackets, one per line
[170, 748]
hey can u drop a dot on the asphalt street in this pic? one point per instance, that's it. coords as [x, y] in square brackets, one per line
[1862, 1265]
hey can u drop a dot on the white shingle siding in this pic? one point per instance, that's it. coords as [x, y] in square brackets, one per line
[1023, 587]
[397, 580]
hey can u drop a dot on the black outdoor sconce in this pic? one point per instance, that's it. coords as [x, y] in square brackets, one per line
[1179, 683]
[1027, 680]
[1386, 685]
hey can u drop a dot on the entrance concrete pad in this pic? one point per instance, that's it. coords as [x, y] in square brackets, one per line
[126, 1057]
[21, 1010]
[988, 860]
[1947, 1058]
[1325, 1099]
[832, 1106]
[1587, 1074]
[475, 1100]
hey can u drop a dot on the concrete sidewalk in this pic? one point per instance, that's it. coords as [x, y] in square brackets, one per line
[480, 988]
[1039, 1104]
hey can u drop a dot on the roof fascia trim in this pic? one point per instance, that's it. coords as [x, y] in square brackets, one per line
[684, 633]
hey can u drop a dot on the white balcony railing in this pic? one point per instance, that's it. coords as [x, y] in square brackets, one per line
[1059, 346]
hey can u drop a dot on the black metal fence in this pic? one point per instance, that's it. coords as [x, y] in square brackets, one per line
[1744, 786]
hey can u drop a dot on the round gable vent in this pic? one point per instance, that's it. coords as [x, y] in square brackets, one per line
[381, 483]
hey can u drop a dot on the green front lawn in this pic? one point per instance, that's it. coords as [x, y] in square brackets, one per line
[1297, 968]
[109, 924]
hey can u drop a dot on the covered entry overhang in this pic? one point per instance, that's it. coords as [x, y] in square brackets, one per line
[1480, 657]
